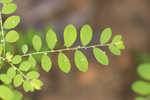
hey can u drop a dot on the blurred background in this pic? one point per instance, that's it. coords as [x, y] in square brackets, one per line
[130, 18]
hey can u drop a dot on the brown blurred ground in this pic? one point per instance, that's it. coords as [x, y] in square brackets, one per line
[131, 18]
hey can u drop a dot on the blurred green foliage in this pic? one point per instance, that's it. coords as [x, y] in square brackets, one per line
[142, 86]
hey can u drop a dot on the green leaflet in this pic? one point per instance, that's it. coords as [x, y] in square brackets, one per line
[32, 61]
[12, 36]
[117, 38]
[117, 41]
[100, 56]
[27, 86]
[24, 48]
[114, 50]
[64, 63]
[17, 59]
[5, 1]
[37, 42]
[86, 34]
[105, 36]
[11, 72]
[120, 45]
[46, 63]
[116, 45]
[11, 22]
[33, 75]
[70, 35]
[37, 84]
[51, 39]
[81, 61]
[141, 87]
[17, 95]
[5, 79]
[25, 66]
[9, 8]
[144, 71]
[6, 93]
[18, 80]
[140, 98]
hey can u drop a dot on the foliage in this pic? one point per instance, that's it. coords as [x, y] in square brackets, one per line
[142, 86]
[21, 70]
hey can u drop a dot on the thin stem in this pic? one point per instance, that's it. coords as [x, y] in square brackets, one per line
[2, 30]
[66, 49]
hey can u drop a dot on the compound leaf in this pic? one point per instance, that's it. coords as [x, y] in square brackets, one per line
[100, 56]
[12, 36]
[18, 80]
[51, 39]
[11, 22]
[106, 35]
[37, 42]
[141, 87]
[9, 8]
[81, 61]
[86, 34]
[64, 63]
[46, 63]
[70, 35]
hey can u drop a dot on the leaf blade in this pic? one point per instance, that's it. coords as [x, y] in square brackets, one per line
[37, 42]
[81, 61]
[11, 22]
[100, 56]
[33, 75]
[51, 39]
[114, 50]
[16, 59]
[64, 63]
[106, 35]
[70, 35]
[18, 80]
[86, 34]
[141, 87]
[144, 71]
[9, 8]
[46, 63]
[25, 66]
[12, 36]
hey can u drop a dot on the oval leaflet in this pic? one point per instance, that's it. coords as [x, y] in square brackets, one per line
[81, 61]
[64, 63]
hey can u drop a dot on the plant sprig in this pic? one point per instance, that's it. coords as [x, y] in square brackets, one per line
[21, 71]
